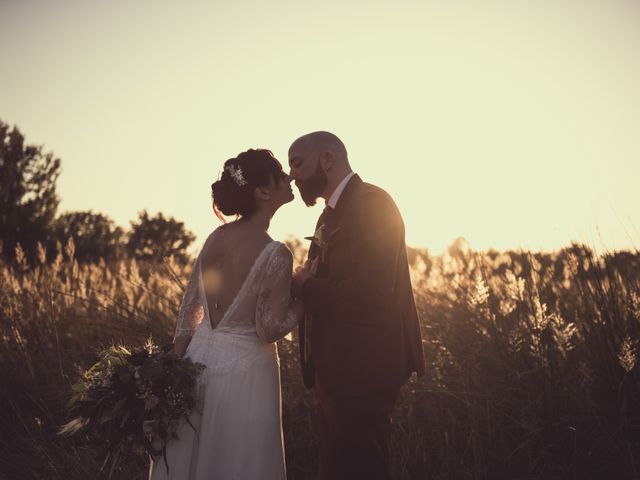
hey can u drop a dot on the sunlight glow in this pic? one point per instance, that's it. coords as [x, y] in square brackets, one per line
[512, 124]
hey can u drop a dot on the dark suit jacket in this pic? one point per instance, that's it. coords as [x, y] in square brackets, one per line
[364, 335]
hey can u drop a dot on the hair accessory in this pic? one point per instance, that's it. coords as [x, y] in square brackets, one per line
[236, 174]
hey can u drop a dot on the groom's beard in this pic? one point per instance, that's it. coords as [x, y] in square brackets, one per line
[313, 187]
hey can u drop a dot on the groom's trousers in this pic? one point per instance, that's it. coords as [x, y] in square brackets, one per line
[354, 434]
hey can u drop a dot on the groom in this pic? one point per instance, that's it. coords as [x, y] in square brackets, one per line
[360, 340]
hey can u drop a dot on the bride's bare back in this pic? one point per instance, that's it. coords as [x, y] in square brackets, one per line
[249, 276]
[226, 262]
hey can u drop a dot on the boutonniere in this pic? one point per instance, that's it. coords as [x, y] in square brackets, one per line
[322, 239]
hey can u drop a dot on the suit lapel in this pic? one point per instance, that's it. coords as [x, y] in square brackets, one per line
[351, 187]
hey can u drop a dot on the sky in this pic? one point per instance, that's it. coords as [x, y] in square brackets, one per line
[512, 124]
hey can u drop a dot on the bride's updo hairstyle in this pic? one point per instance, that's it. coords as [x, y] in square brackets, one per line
[233, 194]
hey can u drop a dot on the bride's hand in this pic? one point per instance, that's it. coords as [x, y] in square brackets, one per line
[310, 266]
[300, 275]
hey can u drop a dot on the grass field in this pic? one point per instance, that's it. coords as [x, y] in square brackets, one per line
[531, 364]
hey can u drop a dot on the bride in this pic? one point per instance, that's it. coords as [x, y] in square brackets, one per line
[237, 304]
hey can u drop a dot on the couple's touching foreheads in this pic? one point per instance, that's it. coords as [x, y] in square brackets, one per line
[351, 303]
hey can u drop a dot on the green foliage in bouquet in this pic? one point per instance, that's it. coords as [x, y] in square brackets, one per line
[133, 400]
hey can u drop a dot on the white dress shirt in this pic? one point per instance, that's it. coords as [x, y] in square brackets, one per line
[335, 196]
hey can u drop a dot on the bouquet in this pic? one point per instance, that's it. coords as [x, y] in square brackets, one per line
[134, 400]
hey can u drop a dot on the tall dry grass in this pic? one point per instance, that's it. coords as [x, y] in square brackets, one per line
[532, 364]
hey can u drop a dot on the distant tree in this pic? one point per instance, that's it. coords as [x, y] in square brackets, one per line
[420, 259]
[28, 199]
[627, 262]
[298, 249]
[95, 235]
[152, 238]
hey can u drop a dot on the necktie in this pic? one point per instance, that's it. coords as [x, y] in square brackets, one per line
[327, 214]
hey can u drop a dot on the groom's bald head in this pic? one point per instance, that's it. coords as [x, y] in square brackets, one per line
[318, 163]
[322, 143]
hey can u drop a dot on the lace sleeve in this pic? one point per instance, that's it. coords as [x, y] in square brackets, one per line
[277, 313]
[191, 309]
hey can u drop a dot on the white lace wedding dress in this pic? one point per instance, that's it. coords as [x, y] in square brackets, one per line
[238, 427]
